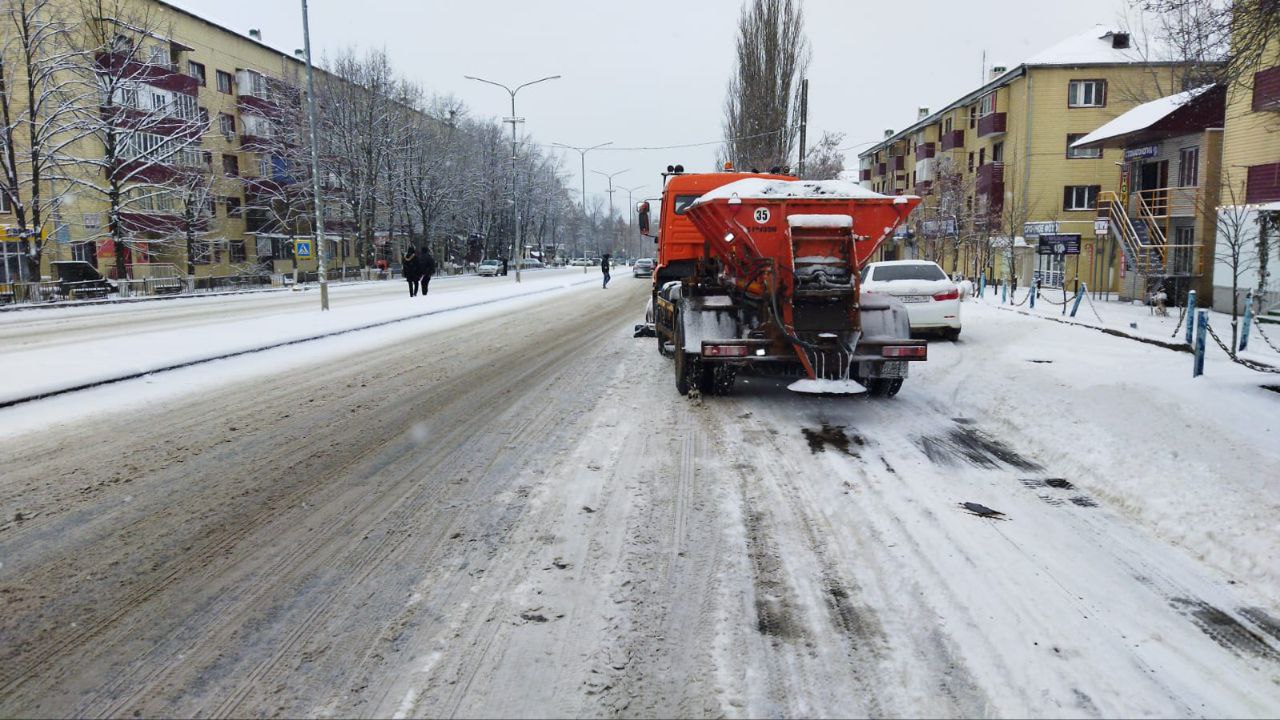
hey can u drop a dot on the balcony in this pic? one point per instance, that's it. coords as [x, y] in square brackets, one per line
[953, 140]
[992, 124]
[990, 180]
[899, 162]
[924, 151]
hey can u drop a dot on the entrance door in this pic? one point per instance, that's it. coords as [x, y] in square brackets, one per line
[1049, 270]
[1155, 178]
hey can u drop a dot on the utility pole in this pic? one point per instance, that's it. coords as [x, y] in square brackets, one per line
[582, 153]
[610, 191]
[631, 212]
[317, 200]
[514, 120]
[804, 122]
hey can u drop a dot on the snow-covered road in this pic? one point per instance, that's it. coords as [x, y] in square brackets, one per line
[516, 515]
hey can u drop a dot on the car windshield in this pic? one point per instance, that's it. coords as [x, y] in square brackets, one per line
[882, 273]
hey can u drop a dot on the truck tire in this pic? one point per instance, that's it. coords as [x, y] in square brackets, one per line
[688, 367]
[884, 387]
[662, 347]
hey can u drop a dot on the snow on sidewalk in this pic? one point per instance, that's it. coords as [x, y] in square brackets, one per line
[44, 370]
[1194, 460]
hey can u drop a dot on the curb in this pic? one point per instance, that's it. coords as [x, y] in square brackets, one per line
[273, 346]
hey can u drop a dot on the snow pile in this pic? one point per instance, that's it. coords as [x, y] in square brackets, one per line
[1141, 117]
[820, 221]
[764, 189]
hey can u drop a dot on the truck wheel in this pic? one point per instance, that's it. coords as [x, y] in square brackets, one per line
[662, 347]
[722, 378]
[687, 366]
[884, 387]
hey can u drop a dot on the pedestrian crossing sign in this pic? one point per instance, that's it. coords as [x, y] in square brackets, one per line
[302, 248]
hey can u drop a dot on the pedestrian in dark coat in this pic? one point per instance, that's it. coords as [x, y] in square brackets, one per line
[427, 263]
[504, 267]
[604, 268]
[411, 268]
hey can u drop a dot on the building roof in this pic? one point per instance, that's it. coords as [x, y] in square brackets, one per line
[1149, 118]
[1095, 46]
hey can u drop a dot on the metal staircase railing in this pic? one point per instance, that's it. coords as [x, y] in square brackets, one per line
[1143, 256]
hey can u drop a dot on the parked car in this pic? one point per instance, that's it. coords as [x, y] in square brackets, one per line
[531, 264]
[643, 267]
[931, 298]
[490, 268]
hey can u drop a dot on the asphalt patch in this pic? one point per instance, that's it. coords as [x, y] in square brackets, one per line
[1225, 630]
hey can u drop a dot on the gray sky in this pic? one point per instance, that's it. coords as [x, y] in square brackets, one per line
[653, 73]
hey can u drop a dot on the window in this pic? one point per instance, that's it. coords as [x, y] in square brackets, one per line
[226, 125]
[5, 205]
[1080, 197]
[200, 252]
[141, 146]
[982, 157]
[233, 207]
[1266, 89]
[1087, 93]
[946, 125]
[683, 202]
[997, 152]
[1080, 153]
[196, 70]
[237, 250]
[188, 157]
[84, 251]
[257, 125]
[207, 157]
[1189, 167]
[987, 104]
[224, 82]
[970, 162]
[230, 165]
[973, 116]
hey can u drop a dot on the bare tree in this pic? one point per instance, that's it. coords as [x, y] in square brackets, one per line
[138, 135]
[761, 105]
[1223, 41]
[37, 97]
[824, 161]
[1239, 227]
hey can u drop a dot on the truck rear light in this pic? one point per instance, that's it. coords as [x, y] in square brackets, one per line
[917, 352]
[952, 294]
[725, 350]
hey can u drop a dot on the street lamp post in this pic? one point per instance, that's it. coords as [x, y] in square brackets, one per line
[631, 211]
[610, 191]
[582, 156]
[318, 201]
[514, 120]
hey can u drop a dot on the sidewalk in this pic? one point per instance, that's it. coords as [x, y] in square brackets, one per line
[1136, 320]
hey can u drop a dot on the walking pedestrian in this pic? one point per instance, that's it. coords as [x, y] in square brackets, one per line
[428, 266]
[604, 268]
[504, 267]
[411, 268]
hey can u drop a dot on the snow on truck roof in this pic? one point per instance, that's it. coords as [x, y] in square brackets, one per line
[765, 189]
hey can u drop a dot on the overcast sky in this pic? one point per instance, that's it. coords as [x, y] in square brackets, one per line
[653, 73]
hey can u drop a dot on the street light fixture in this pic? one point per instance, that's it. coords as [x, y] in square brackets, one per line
[610, 191]
[631, 210]
[582, 155]
[514, 120]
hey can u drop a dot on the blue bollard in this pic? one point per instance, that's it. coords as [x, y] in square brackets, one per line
[1079, 296]
[1248, 318]
[1004, 292]
[1035, 288]
[1202, 329]
[1191, 312]
[982, 285]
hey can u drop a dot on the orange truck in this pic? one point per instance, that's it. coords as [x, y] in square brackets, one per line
[762, 271]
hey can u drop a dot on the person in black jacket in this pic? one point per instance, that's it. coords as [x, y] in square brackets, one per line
[411, 268]
[427, 264]
[604, 268]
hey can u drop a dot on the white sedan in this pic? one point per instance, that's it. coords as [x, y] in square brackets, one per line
[932, 300]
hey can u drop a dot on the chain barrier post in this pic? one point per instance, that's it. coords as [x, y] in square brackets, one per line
[1035, 288]
[1191, 312]
[1080, 291]
[1202, 329]
[1248, 318]
[1004, 293]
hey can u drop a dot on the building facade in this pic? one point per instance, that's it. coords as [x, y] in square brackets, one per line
[997, 170]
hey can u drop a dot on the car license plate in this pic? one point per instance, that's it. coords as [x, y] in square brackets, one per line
[914, 298]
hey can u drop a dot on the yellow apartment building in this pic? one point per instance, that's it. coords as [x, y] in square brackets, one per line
[995, 165]
[187, 72]
[1251, 184]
